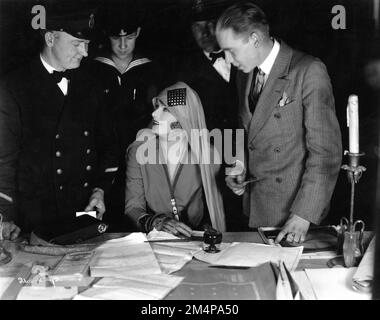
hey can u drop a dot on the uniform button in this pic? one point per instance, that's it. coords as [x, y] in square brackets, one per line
[59, 171]
[251, 147]
[88, 168]
[86, 133]
[277, 115]
[88, 151]
[278, 180]
[85, 184]
[277, 150]
[58, 154]
[60, 187]
[57, 136]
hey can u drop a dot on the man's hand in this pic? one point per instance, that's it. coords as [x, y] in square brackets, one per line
[173, 226]
[235, 177]
[236, 183]
[295, 230]
[10, 231]
[97, 203]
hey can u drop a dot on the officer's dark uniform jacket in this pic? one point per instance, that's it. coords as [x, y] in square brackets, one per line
[128, 97]
[218, 96]
[54, 149]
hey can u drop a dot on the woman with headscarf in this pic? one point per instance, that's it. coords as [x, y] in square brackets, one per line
[171, 168]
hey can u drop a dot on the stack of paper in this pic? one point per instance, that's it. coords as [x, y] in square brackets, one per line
[252, 255]
[149, 287]
[124, 257]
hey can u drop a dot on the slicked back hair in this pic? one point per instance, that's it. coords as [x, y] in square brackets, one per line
[244, 18]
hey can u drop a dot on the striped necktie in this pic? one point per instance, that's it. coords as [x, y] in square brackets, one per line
[258, 80]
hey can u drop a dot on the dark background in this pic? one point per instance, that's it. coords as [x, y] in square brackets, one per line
[303, 24]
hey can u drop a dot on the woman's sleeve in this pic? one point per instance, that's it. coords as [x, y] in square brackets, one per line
[135, 202]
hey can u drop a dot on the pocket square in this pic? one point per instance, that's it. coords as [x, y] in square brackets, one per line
[284, 100]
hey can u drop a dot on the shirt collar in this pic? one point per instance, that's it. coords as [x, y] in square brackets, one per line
[267, 65]
[47, 66]
[207, 54]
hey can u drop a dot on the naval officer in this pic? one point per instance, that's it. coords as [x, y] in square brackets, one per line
[57, 147]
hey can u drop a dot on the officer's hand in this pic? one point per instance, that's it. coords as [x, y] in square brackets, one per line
[172, 226]
[295, 230]
[97, 203]
[10, 231]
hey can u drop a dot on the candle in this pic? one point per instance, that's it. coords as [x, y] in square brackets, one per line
[353, 123]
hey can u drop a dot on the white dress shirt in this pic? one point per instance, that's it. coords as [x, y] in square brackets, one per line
[221, 66]
[268, 63]
[63, 84]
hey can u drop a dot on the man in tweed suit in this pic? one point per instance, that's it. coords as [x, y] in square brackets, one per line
[293, 140]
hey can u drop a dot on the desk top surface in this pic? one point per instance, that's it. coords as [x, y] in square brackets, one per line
[241, 288]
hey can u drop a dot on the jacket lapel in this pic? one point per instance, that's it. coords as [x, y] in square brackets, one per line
[272, 91]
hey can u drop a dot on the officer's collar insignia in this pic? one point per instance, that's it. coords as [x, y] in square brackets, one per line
[176, 97]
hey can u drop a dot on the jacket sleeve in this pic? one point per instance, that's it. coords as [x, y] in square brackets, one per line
[9, 150]
[323, 143]
[107, 148]
[136, 208]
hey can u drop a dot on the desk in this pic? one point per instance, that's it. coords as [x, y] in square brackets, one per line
[238, 282]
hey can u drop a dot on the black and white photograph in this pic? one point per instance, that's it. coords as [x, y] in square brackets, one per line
[189, 155]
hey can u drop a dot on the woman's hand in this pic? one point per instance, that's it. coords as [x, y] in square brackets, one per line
[172, 226]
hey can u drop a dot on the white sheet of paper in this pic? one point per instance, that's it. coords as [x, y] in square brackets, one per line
[149, 287]
[252, 255]
[304, 285]
[126, 256]
[172, 256]
[90, 213]
[156, 286]
[334, 284]
[47, 293]
[4, 284]
[364, 272]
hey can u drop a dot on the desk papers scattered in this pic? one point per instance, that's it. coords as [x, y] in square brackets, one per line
[334, 284]
[251, 255]
[172, 256]
[363, 277]
[124, 257]
[149, 287]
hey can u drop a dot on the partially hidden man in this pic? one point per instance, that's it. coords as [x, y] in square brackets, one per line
[293, 140]
[57, 147]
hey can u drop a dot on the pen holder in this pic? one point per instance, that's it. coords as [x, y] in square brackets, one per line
[212, 240]
[350, 241]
